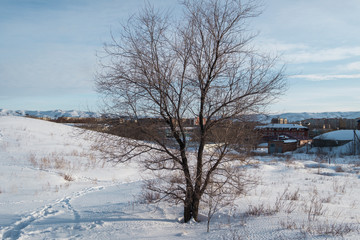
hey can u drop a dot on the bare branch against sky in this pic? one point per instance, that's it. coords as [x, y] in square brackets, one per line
[48, 50]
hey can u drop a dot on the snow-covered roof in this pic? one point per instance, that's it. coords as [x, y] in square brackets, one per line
[281, 126]
[341, 135]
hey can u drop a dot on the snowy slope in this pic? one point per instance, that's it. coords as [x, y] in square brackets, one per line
[54, 186]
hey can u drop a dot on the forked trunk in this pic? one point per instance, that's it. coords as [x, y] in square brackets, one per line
[191, 209]
[187, 211]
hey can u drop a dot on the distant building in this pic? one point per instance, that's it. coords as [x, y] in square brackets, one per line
[281, 146]
[335, 138]
[330, 123]
[275, 131]
[279, 120]
[197, 121]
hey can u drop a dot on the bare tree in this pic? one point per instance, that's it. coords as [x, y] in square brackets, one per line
[202, 67]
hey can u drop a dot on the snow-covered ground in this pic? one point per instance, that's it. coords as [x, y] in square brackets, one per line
[53, 185]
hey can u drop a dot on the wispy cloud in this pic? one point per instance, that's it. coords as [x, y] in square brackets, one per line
[311, 55]
[325, 77]
[274, 45]
[300, 53]
[354, 66]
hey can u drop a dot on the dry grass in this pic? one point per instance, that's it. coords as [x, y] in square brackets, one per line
[261, 210]
[79, 161]
[315, 206]
[339, 169]
[150, 197]
[338, 187]
[68, 178]
[320, 228]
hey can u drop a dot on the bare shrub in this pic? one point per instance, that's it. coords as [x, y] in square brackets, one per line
[292, 196]
[285, 201]
[75, 153]
[44, 163]
[338, 187]
[320, 228]
[60, 163]
[339, 169]
[68, 177]
[327, 199]
[92, 161]
[150, 197]
[32, 160]
[260, 210]
[288, 224]
[315, 207]
[332, 229]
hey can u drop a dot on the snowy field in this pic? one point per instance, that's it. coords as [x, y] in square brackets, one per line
[53, 185]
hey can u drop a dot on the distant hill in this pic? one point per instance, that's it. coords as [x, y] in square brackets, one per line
[291, 117]
[53, 114]
[294, 117]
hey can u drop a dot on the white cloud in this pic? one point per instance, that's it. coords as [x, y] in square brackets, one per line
[274, 45]
[325, 77]
[322, 55]
[354, 66]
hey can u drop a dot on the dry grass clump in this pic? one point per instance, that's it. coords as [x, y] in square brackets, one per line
[339, 169]
[261, 210]
[320, 228]
[150, 197]
[338, 187]
[68, 178]
[62, 161]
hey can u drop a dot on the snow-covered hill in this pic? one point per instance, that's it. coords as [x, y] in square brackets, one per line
[53, 114]
[295, 117]
[292, 117]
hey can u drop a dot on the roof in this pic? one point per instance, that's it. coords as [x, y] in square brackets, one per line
[339, 135]
[282, 126]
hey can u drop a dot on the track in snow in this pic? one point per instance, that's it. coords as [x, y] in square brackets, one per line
[14, 231]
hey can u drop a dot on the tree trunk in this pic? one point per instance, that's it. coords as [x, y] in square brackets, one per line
[195, 207]
[187, 210]
[188, 206]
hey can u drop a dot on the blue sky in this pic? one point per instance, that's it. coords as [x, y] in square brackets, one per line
[48, 51]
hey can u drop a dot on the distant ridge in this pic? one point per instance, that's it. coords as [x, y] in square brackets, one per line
[53, 114]
[291, 117]
[295, 117]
